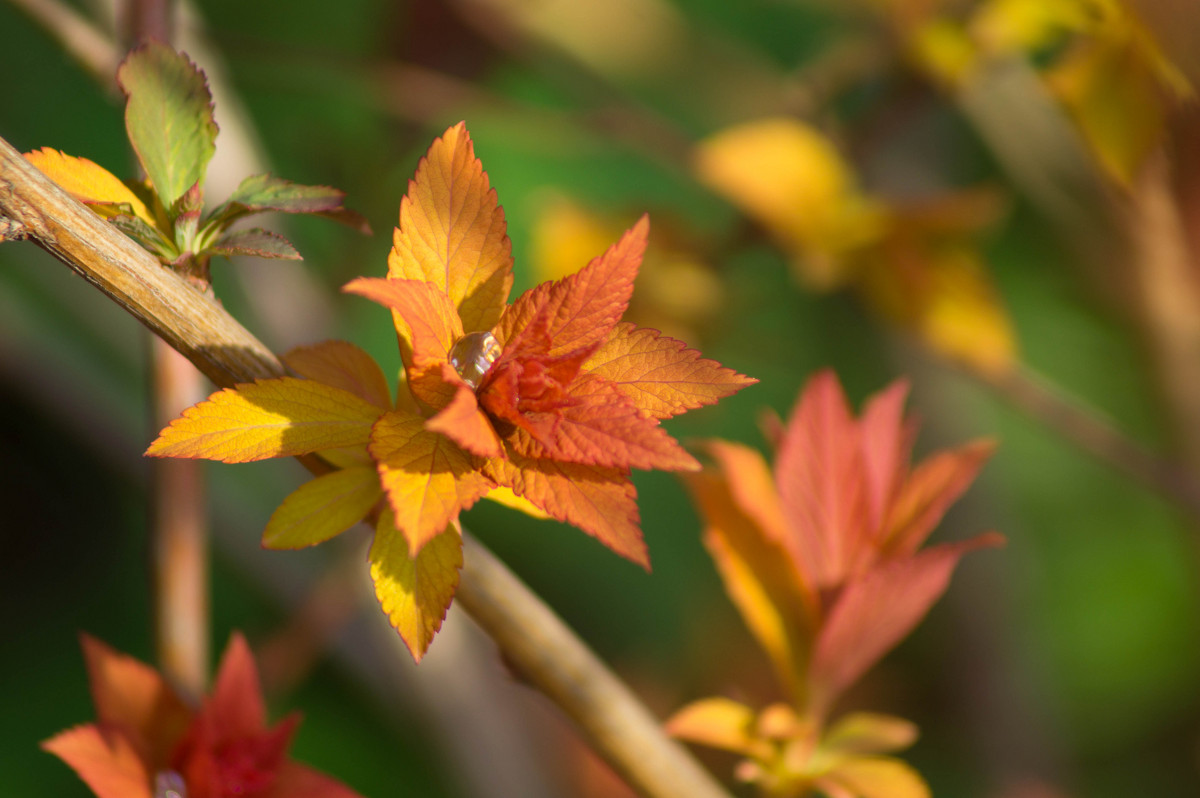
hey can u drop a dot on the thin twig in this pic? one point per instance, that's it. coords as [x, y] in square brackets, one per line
[617, 725]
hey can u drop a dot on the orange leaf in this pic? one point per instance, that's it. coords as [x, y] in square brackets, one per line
[415, 591]
[600, 501]
[886, 447]
[452, 232]
[130, 695]
[602, 427]
[463, 422]
[88, 182]
[107, 763]
[934, 485]
[426, 320]
[322, 508]
[875, 612]
[280, 417]
[299, 781]
[342, 365]
[661, 375]
[819, 477]
[759, 577]
[428, 479]
[580, 310]
[718, 723]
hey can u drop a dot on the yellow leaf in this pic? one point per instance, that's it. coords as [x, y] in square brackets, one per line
[452, 232]
[428, 479]
[869, 733]
[506, 497]
[718, 723]
[322, 508]
[88, 182]
[792, 180]
[875, 777]
[415, 591]
[281, 417]
[342, 365]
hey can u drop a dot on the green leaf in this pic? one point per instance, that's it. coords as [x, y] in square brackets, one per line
[259, 193]
[257, 242]
[169, 118]
[144, 234]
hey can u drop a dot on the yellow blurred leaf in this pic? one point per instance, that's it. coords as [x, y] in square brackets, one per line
[869, 733]
[281, 417]
[415, 591]
[322, 508]
[875, 777]
[88, 182]
[793, 181]
[718, 723]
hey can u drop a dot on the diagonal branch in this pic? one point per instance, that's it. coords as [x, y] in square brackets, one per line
[532, 638]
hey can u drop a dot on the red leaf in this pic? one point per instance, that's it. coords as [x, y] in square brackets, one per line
[463, 422]
[132, 696]
[603, 428]
[581, 309]
[819, 477]
[300, 781]
[236, 705]
[600, 501]
[659, 374]
[875, 612]
[886, 445]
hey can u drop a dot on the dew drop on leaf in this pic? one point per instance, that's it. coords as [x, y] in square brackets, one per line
[473, 354]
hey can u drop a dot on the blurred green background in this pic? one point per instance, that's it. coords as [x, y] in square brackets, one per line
[1066, 661]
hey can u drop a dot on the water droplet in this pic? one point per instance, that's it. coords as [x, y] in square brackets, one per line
[473, 354]
[169, 784]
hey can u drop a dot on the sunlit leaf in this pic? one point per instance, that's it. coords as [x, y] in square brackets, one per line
[661, 375]
[415, 590]
[428, 479]
[452, 232]
[89, 182]
[464, 423]
[323, 507]
[280, 417]
[169, 118]
[505, 497]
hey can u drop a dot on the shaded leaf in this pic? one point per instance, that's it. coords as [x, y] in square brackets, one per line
[280, 417]
[875, 612]
[580, 310]
[428, 479]
[168, 117]
[869, 733]
[415, 591]
[323, 507]
[265, 192]
[718, 723]
[661, 375]
[600, 501]
[819, 478]
[452, 232]
[89, 182]
[255, 242]
[342, 365]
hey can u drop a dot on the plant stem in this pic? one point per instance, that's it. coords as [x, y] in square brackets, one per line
[529, 634]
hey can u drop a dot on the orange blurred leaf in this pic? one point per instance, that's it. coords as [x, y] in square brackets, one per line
[427, 477]
[280, 417]
[108, 764]
[342, 365]
[452, 232]
[661, 375]
[322, 508]
[415, 591]
[875, 777]
[718, 723]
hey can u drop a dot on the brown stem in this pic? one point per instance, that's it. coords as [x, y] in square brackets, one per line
[179, 532]
[548, 654]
